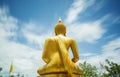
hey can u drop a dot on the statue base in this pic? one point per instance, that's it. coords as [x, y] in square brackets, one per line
[59, 74]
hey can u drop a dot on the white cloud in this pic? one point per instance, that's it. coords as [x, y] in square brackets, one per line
[86, 32]
[8, 24]
[34, 34]
[109, 51]
[77, 7]
[25, 59]
[112, 46]
[87, 54]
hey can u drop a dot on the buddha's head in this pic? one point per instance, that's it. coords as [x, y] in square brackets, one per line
[60, 28]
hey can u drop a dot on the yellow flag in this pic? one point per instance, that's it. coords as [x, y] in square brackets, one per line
[11, 67]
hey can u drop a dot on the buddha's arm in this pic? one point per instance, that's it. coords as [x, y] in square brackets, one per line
[74, 51]
[45, 51]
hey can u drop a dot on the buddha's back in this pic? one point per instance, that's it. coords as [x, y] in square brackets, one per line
[51, 50]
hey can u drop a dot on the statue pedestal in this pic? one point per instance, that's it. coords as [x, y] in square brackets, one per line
[59, 74]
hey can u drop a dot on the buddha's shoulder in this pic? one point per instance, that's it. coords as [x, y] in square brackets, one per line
[65, 38]
[71, 40]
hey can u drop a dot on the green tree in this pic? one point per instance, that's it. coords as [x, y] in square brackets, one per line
[88, 70]
[112, 68]
[102, 74]
[23, 75]
[18, 75]
[0, 71]
[12, 76]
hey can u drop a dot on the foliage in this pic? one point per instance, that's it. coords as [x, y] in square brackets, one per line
[113, 69]
[88, 70]
[11, 76]
[0, 71]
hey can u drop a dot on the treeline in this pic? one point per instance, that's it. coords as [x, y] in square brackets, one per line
[110, 69]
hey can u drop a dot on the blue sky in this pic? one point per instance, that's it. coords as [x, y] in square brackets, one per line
[25, 24]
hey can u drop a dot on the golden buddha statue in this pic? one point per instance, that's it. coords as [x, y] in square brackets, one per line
[56, 57]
